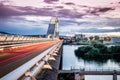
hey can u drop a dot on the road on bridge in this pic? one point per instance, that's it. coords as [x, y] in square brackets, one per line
[13, 57]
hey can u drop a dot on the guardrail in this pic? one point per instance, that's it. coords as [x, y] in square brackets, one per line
[92, 71]
[34, 65]
[17, 39]
[95, 69]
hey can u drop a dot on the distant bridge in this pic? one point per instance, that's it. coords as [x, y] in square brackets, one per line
[91, 72]
[80, 74]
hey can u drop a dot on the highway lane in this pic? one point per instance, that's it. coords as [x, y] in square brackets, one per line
[18, 56]
[20, 44]
[10, 53]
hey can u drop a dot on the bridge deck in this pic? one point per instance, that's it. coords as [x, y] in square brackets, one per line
[91, 72]
[19, 57]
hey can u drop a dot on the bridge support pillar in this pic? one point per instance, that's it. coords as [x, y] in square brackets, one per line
[114, 76]
[82, 77]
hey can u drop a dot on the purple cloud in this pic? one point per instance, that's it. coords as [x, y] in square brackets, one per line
[69, 13]
[97, 11]
[105, 9]
[59, 7]
[69, 3]
[83, 6]
[50, 1]
[8, 11]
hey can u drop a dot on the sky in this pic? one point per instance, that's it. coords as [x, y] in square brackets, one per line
[31, 17]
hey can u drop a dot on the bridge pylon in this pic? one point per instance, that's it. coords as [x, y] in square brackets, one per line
[53, 28]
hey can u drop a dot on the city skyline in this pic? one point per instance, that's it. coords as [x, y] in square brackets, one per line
[75, 16]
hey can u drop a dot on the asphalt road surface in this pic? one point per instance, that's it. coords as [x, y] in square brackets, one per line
[13, 57]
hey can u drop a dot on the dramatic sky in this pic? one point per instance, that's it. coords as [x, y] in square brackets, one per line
[75, 16]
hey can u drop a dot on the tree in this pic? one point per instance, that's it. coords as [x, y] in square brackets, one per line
[107, 39]
[97, 37]
[94, 52]
[91, 37]
[95, 42]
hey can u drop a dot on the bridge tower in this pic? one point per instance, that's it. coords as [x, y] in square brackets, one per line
[53, 28]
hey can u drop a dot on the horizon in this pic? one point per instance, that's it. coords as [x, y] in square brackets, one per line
[86, 34]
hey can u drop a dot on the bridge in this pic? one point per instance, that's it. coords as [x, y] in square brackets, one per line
[92, 72]
[79, 73]
[24, 57]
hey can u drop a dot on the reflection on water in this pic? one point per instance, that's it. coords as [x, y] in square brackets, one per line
[71, 61]
[100, 77]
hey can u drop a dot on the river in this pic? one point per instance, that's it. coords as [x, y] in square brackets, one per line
[71, 61]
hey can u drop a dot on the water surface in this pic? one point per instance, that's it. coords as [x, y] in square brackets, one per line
[71, 61]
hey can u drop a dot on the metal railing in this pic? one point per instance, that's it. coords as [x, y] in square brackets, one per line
[17, 39]
[92, 71]
[95, 69]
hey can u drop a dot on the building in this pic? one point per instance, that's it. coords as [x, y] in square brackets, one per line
[79, 36]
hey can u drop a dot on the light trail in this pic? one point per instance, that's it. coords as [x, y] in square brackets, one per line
[17, 52]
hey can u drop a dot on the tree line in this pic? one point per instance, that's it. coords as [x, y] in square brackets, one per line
[98, 52]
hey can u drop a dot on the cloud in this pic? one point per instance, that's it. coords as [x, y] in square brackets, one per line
[60, 11]
[67, 22]
[78, 17]
[22, 31]
[69, 13]
[50, 1]
[98, 10]
[59, 6]
[5, 2]
[70, 3]
[73, 22]
[115, 24]
[96, 30]
[77, 29]
[88, 26]
[8, 11]
[23, 26]
[105, 9]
